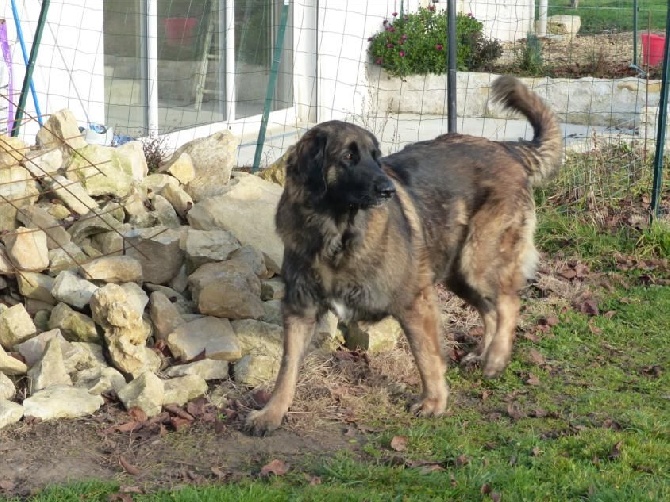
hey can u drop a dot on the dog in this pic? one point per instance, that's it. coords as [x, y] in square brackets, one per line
[368, 236]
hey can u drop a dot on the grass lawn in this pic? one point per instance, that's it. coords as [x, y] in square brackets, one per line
[601, 15]
[582, 412]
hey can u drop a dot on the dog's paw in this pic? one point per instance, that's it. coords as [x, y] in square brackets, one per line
[494, 366]
[429, 407]
[471, 360]
[262, 422]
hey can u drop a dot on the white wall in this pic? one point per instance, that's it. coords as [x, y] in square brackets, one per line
[506, 20]
[69, 68]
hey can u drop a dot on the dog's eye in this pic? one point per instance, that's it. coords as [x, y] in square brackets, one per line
[348, 156]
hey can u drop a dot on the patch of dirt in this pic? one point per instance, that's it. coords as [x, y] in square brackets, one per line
[607, 55]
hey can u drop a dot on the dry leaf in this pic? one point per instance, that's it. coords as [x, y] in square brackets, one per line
[532, 379]
[276, 467]
[536, 357]
[128, 467]
[615, 452]
[137, 414]
[6, 485]
[399, 443]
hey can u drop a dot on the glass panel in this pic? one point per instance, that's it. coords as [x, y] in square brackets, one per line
[190, 64]
[256, 28]
[125, 96]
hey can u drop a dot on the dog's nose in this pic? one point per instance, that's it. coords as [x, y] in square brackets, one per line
[384, 188]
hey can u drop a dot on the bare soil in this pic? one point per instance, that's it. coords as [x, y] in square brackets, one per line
[607, 55]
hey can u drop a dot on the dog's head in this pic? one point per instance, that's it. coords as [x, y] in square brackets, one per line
[337, 164]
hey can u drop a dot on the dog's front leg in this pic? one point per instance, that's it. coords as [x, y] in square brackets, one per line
[298, 331]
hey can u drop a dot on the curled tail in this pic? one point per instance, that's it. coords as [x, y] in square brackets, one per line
[543, 154]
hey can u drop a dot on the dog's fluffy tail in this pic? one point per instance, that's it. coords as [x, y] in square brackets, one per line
[543, 155]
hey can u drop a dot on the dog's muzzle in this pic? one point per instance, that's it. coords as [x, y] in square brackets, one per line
[384, 188]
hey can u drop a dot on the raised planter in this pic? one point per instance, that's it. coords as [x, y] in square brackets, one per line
[584, 101]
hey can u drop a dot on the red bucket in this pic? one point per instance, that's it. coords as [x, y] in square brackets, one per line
[653, 47]
[179, 30]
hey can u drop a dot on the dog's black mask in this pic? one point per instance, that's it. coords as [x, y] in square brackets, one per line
[338, 165]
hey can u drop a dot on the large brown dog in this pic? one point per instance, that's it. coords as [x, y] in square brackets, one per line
[368, 237]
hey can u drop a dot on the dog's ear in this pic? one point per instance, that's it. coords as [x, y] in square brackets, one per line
[307, 162]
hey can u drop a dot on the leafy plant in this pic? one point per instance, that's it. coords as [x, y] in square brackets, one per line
[416, 44]
[155, 151]
[531, 61]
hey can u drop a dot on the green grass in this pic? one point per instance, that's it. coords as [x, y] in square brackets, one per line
[606, 15]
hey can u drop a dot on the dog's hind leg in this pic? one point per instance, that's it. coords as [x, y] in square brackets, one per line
[499, 351]
[298, 333]
[420, 322]
[489, 316]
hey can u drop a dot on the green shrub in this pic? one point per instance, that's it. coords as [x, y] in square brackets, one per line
[416, 44]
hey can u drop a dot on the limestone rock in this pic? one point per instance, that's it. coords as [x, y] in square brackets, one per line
[272, 313]
[75, 326]
[136, 296]
[36, 286]
[272, 289]
[373, 337]
[180, 200]
[182, 168]
[182, 389]
[164, 212]
[61, 401]
[27, 249]
[113, 269]
[60, 131]
[254, 259]
[6, 265]
[10, 413]
[208, 369]
[66, 258]
[157, 249]
[254, 370]
[145, 392]
[259, 338]
[251, 199]
[164, 315]
[43, 163]
[17, 190]
[50, 370]
[276, 173]
[72, 193]
[209, 334]
[10, 365]
[110, 243]
[327, 336]
[100, 379]
[213, 159]
[71, 289]
[227, 289]
[12, 151]
[125, 332]
[7, 387]
[16, 326]
[82, 356]
[32, 350]
[564, 25]
[36, 217]
[205, 246]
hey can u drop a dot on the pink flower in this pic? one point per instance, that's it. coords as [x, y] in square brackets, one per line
[389, 46]
[401, 54]
[370, 39]
[394, 14]
[379, 61]
[439, 47]
[431, 7]
[404, 36]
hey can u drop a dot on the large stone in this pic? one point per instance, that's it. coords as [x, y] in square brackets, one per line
[272, 289]
[36, 286]
[10, 365]
[32, 350]
[10, 413]
[205, 246]
[62, 401]
[43, 163]
[182, 168]
[110, 243]
[145, 392]
[564, 25]
[36, 217]
[60, 131]
[164, 212]
[213, 159]
[213, 336]
[254, 370]
[373, 337]
[125, 331]
[327, 336]
[12, 151]
[276, 173]
[100, 379]
[66, 258]
[75, 326]
[50, 370]
[227, 289]
[17, 190]
[259, 338]
[180, 200]
[27, 249]
[272, 313]
[182, 389]
[138, 213]
[16, 326]
[158, 250]
[104, 170]
[82, 356]
[251, 199]
[7, 387]
[164, 315]
[71, 289]
[72, 193]
[208, 369]
[254, 259]
[6, 265]
[113, 269]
